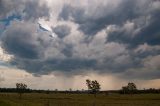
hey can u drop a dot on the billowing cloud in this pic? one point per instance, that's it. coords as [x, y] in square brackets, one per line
[62, 30]
[118, 36]
[24, 42]
[134, 21]
[97, 15]
[28, 9]
[9, 7]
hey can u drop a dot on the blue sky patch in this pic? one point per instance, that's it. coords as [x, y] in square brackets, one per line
[7, 20]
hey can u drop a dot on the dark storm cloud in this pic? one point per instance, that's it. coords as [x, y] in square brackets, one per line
[23, 42]
[68, 50]
[28, 9]
[151, 33]
[150, 69]
[145, 75]
[34, 10]
[9, 7]
[50, 65]
[90, 24]
[29, 46]
[62, 30]
[118, 38]
[127, 10]
[148, 34]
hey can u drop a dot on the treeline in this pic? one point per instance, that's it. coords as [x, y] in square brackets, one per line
[145, 91]
[15, 90]
[92, 85]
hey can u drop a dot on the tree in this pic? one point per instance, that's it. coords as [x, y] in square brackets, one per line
[21, 88]
[130, 88]
[93, 86]
[70, 89]
[89, 84]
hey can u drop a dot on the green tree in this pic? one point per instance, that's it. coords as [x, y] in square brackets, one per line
[93, 86]
[21, 88]
[130, 88]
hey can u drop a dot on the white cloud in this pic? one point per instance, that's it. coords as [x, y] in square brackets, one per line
[4, 56]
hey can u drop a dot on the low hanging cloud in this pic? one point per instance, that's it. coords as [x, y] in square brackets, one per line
[142, 15]
[27, 9]
[117, 37]
[62, 30]
[24, 42]
[95, 17]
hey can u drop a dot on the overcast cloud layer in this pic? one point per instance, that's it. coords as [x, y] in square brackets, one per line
[107, 36]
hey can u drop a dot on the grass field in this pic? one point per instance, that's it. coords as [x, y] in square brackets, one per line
[35, 99]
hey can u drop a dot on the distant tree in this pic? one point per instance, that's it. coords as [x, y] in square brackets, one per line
[21, 88]
[56, 90]
[70, 89]
[93, 86]
[130, 88]
[89, 84]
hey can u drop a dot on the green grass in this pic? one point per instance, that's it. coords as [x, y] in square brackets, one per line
[3, 103]
[35, 99]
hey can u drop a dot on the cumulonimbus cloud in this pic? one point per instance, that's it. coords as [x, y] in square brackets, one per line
[106, 36]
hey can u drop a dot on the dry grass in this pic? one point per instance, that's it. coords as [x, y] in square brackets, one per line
[34, 99]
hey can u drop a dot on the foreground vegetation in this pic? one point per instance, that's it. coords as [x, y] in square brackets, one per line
[129, 95]
[62, 99]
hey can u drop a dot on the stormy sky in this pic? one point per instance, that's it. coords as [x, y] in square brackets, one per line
[63, 42]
